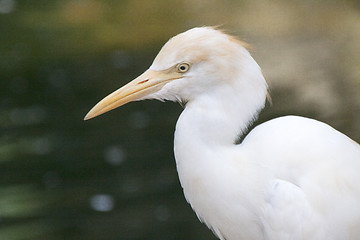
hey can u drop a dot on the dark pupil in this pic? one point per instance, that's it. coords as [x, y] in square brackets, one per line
[182, 68]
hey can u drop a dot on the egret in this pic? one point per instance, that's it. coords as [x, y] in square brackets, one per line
[290, 178]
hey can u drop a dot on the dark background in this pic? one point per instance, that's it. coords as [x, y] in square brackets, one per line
[114, 177]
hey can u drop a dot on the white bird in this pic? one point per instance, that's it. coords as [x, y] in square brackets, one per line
[290, 178]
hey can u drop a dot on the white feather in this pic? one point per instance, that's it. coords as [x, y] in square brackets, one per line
[291, 178]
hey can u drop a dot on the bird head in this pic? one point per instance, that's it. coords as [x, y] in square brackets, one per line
[196, 62]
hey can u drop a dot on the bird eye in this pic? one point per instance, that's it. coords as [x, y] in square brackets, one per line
[183, 67]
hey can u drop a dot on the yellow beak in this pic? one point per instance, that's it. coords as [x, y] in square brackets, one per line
[148, 82]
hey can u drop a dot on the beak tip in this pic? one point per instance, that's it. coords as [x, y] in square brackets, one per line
[88, 116]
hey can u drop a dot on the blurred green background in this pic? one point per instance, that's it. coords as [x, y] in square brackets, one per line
[114, 177]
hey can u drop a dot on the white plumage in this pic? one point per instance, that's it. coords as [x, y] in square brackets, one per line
[290, 178]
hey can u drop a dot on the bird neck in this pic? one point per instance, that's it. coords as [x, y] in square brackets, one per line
[217, 119]
[206, 129]
[210, 124]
